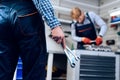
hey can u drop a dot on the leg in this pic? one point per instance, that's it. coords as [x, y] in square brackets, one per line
[33, 47]
[8, 49]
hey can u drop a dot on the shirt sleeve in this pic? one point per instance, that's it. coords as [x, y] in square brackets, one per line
[73, 34]
[46, 10]
[98, 21]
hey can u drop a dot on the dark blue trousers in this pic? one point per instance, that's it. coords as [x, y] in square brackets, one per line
[22, 35]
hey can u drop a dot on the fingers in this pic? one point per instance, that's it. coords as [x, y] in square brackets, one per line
[60, 40]
[98, 40]
[64, 43]
[86, 40]
[57, 39]
[98, 43]
[58, 36]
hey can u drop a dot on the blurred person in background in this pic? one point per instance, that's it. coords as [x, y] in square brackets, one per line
[83, 28]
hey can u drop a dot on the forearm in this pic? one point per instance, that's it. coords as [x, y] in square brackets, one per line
[46, 10]
[103, 30]
[77, 39]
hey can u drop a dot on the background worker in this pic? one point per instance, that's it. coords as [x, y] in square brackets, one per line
[83, 27]
[22, 34]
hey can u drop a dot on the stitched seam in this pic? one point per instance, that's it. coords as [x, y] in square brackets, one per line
[85, 30]
[28, 14]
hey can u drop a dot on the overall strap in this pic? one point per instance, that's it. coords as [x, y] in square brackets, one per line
[89, 18]
[90, 21]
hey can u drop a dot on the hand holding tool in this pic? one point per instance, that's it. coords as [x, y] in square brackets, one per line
[69, 53]
[98, 40]
[86, 40]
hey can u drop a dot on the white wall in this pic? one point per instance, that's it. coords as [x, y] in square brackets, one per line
[105, 7]
[103, 2]
[91, 2]
[108, 5]
[85, 5]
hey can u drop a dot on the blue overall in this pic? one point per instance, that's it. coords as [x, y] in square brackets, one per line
[86, 30]
[22, 35]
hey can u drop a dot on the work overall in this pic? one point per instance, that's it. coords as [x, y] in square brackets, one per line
[21, 35]
[86, 30]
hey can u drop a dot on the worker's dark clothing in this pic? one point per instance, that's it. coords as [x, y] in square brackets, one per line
[86, 30]
[21, 34]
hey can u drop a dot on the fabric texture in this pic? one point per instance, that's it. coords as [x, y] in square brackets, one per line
[46, 9]
[22, 34]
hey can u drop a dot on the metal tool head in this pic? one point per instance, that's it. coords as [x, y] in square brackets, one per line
[71, 52]
[73, 65]
[70, 57]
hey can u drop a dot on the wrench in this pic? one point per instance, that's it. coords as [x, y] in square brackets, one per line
[70, 55]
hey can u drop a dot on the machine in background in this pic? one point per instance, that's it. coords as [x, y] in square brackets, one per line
[95, 65]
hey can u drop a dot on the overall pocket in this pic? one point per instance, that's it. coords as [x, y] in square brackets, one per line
[29, 24]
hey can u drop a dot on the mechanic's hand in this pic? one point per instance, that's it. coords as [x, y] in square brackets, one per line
[99, 40]
[58, 36]
[86, 40]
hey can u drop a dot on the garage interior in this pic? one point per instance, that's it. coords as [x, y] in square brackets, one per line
[93, 64]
